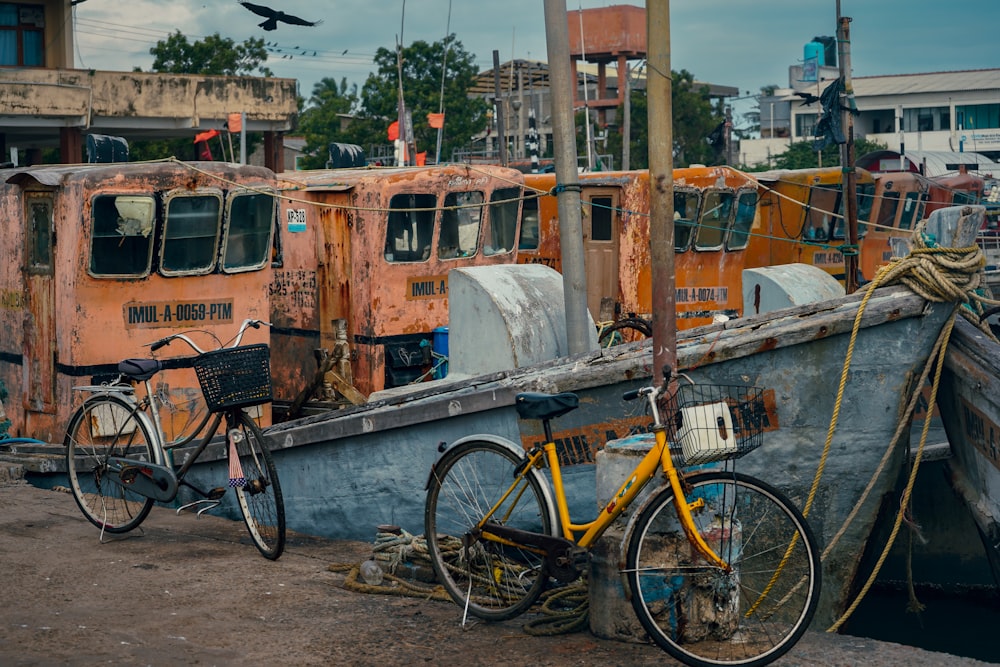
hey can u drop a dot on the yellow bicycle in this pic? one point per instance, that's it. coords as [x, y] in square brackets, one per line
[721, 568]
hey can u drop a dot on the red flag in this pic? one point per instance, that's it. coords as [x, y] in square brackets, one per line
[394, 130]
[205, 136]
[435, 120]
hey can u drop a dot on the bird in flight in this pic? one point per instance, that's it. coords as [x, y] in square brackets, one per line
[273, 16]
[807, 99]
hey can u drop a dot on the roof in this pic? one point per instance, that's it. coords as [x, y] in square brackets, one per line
[933, 82]
[935, 163]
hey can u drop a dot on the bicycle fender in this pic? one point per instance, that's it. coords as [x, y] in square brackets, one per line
[518, 450]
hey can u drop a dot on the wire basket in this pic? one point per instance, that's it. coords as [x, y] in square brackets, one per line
[715, 422]
[235, 377]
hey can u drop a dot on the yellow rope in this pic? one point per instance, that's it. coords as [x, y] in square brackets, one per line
[938, 275]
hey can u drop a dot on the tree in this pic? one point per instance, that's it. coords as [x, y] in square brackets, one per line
[694, 119]
[320, 122]
[801, 155]
[421, 68]
[215, 55]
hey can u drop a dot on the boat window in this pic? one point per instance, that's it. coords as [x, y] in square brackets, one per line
[410, 227]
[121, 240]
[39, 219]
[191, 234]
[601, 210]
[685, 215]
[824, 202]
[863, 207]
[460, 221]
[887, 209]
[503, 221]
[913, 210]
[746, 209]
[248, 234]
[715, 219]
[866, 198]
[529, 224]
[963, 197]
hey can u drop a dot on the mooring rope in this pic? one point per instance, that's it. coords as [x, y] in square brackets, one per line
[938, 274]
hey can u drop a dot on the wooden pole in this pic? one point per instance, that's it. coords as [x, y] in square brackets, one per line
[567, 181]
[661, 186]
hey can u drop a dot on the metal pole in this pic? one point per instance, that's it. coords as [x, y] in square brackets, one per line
[847, 154]
[567, 182]
[627, 121]
[501, 130]
[661, 186]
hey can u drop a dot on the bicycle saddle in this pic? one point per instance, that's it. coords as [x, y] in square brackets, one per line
[139, 369]
[536, 405]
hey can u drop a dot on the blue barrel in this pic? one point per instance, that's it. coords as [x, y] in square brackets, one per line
[815, 50]
[439, 345]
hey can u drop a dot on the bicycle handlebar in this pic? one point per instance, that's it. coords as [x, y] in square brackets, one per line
[163, 342]
[652, 394]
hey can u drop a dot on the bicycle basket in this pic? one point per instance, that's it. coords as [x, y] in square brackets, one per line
[235, 377]
[715, 422]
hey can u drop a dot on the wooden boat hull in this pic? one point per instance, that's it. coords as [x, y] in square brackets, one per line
[969, 402]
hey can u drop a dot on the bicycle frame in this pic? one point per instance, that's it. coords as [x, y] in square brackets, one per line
[658, 457]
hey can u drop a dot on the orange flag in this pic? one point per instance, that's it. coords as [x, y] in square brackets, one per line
[206, 135]
[422, 158]
[435, 120]
[234, 123]
[394, 130]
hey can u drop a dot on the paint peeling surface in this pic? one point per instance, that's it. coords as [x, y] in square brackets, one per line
[714, 209]
[124, 273]
[370, 250]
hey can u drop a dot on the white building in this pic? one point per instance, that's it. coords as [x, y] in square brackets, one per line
[939, 111]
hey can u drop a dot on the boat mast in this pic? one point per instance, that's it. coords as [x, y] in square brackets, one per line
[847, 153]
[661, 186]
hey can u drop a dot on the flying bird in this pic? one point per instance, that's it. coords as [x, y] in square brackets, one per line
[807, 99]
[273, 16]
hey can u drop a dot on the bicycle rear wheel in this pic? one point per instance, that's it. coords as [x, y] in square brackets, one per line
[702, 615]
[496, 581]
[105, 426]
[259, 493]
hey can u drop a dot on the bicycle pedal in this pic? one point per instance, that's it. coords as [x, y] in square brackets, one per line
[216, 493]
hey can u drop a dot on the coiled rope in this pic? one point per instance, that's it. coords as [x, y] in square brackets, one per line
[938, 274]
[563, 610]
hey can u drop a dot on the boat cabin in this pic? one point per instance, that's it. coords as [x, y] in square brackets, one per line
[103, 259]
[714, 211]
[802, 218]
[359, 300]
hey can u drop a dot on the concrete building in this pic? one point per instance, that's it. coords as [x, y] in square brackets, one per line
[45, 102]
[936, 111]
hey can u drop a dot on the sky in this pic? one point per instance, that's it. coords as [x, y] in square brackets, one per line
[746, 44]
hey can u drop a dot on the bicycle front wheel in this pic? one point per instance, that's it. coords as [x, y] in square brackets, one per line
[105, 426]
[496, 581]
[702, 615]
[255, 480]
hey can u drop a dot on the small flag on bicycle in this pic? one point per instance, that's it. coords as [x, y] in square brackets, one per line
[236, 478]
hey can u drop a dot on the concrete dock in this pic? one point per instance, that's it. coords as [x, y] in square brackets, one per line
[193, 590]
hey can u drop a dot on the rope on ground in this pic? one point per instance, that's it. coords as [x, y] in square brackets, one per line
[563, 610]
[938, 274]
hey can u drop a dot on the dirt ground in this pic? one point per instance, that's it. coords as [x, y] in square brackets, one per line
[189, 590]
